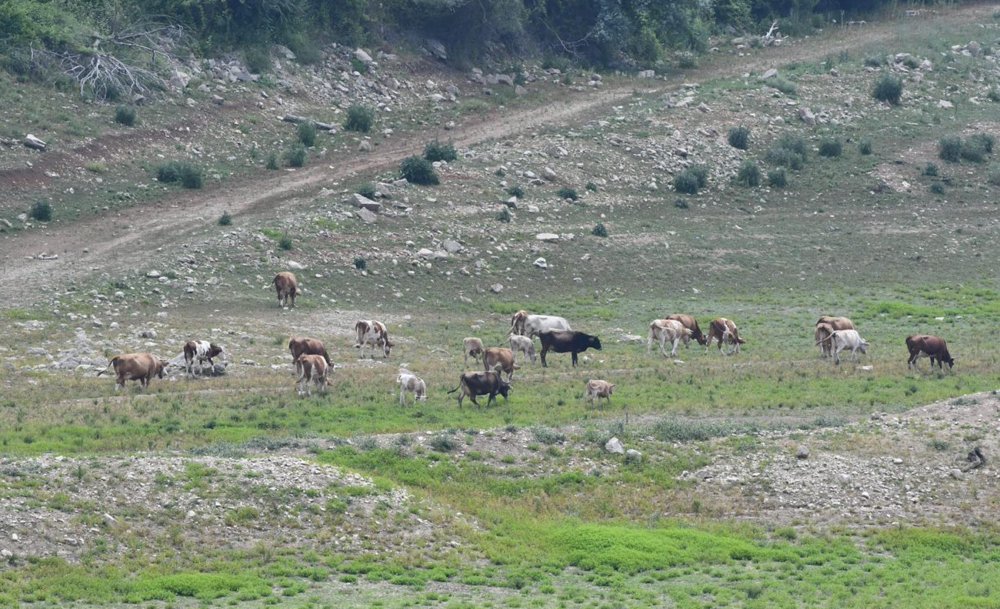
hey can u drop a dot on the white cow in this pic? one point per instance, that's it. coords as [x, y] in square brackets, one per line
[598, 389]
[668, 330]
[523, 344]
[473, 347]
[846, 339]
[411, 383]
[524, 324]
[373, 333]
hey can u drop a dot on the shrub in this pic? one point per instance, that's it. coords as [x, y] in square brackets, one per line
[360, 263]
[592, 187]
[41, 211]
[739, 137]
[225, 219]
[749, 174]
[993, 94]
[888, 89]
[567, 193]
[795, 143]
[258, 60]
[865, 146]
[785, 86]
[285, 242]
[994, 176]
[367, 190]
[777, 178]
[973, 151]
[125, 115]
[930, 170]
[190, 176]
[687, 61]
[443, 443]
[681, 204]
[686, 182]
[168, 172]
[296, 155]
[176, 171]
[358, 66]
[547, 435]
[436, 151]
[984, 141]
[937, 188]
[950, 148]
[359, 119]
[516, 191]
[272, 161]
[789, 151]
[600, 230]
[700, 172]
[504, 215]
[418, 170]
[873, 61]
[307, 134]
[830, 147]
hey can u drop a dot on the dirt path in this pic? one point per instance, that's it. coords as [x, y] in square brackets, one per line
[109, 243]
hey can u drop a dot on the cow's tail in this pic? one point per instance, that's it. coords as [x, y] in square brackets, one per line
[113, 362]
[825, 338]
[455, 389]
[516, 366]
[327, 358]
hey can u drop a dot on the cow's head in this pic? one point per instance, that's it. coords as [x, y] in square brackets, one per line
[387, 347]
[161, 367]
[863, 346]
[594, 343]
[948, 360]
[503, 387]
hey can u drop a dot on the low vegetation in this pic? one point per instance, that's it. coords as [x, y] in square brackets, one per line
[888, 89]
[359, 119]
[438, 151]
[418, 170]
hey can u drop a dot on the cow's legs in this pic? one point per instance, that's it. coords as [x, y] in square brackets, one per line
[574, 359]
[673, 352]
[545, 349]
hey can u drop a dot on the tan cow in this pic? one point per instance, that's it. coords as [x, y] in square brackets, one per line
[837, 323]
[691, 324]
[140, 367]
[724, 331]
[411, 383]
[501, 359]
[287, 287]
[598, 389]
[299, 345]
[525, 345]
[374, 333]
[311, 369]
[473, 347]
[668, 330]
[822, 336]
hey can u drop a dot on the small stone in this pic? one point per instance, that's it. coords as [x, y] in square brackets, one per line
[957, 474]
[802, 452]
[614, 445]
[496, 288]
[540, 263]
[633, 456]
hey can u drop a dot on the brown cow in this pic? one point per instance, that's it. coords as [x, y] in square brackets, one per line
[299, 345]
[822, 338]
[472, 347]
[287, 287]
[500, 358]
[140, 367]
[724, 331]
[202, 351]
[311, 369]
[474, 384]
[926, 345]
[374, 333]
[691, 324]
[837, 323]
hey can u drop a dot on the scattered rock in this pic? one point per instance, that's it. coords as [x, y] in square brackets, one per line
[772, 73]
[150, 333]
[435, 48]
[496, 288]
[33, 142]
[363, 57]
[364, 202]
[451, 246]
[368, 217]
[806, 116]
[614, 445]
[548, 237]
[802, 452]
[540, 263]
[633, 456]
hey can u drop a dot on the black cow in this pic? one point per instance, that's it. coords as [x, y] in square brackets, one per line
[925, 345]
[473, 384]
[567, 341]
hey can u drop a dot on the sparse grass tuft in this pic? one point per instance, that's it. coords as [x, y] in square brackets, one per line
[686, 182]
[785, 86]
[930, 170]
[296, 155]
[360, 263]
[444, 443]
[225, 219]
[367, 190]
[272, 161]
[285, 242]
[180, 171]
[865, 147]
[516, 191]
[360, 119]
[788, 151]
[307, 134]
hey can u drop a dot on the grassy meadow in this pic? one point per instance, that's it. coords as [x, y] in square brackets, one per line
[519, 505]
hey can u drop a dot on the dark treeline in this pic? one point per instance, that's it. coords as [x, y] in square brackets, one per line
[613, 33]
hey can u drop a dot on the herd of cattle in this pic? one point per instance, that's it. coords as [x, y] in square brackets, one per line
[833, 335]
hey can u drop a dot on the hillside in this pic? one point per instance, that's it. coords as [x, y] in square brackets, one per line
[768, 478]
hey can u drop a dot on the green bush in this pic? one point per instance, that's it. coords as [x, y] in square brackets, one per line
[360, 119]
[749, 174]
[865, 146]
[700, 172]
[436, 151]
[190, 176]
[950, 148]
[178, 171]
[258, 60]
[418, 170]
[225, 219]
[973, 151]
[785, 86]
[739, 137]
[360, 263]
[681, 204]
[777, 178]
[984, 141]
[443, 443]
[296, 155]
[600, 230]
[930, 170]
[591, 186]
[994, 176]
[873, 61]
[687, 182]
[567, 193]
[367, 190]
[168, 172]
[788, 151]
[993, 94]
[504, 215]
[285, 242]
[125, 115]
[830, 148]
[516, 191]
[888, 89]
[307, 134]
[548, 436]
[937, 188]
[358, 66]
[41, 211]
[795, 143]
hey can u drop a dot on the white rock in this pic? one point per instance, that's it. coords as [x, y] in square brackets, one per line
[33, 142]
[362, 56]
[614, 445]
[547, 237]
[540, 263]
[633, 456]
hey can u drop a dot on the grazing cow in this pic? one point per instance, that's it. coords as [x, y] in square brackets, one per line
[523, 344]
[287, 287]
[664, 330]
[411, 383]
[846, 339]
[299, 345]
[202, 351]
[140, 367]
[821, 335]
[724, 331]
[926, 345]
[473, 384]
[313, 369]
[837, 323]
[523, 324]
[569, 341]
[372, 333]
[500, 359]
[597, 388]
[691, 324]
[472, 347]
